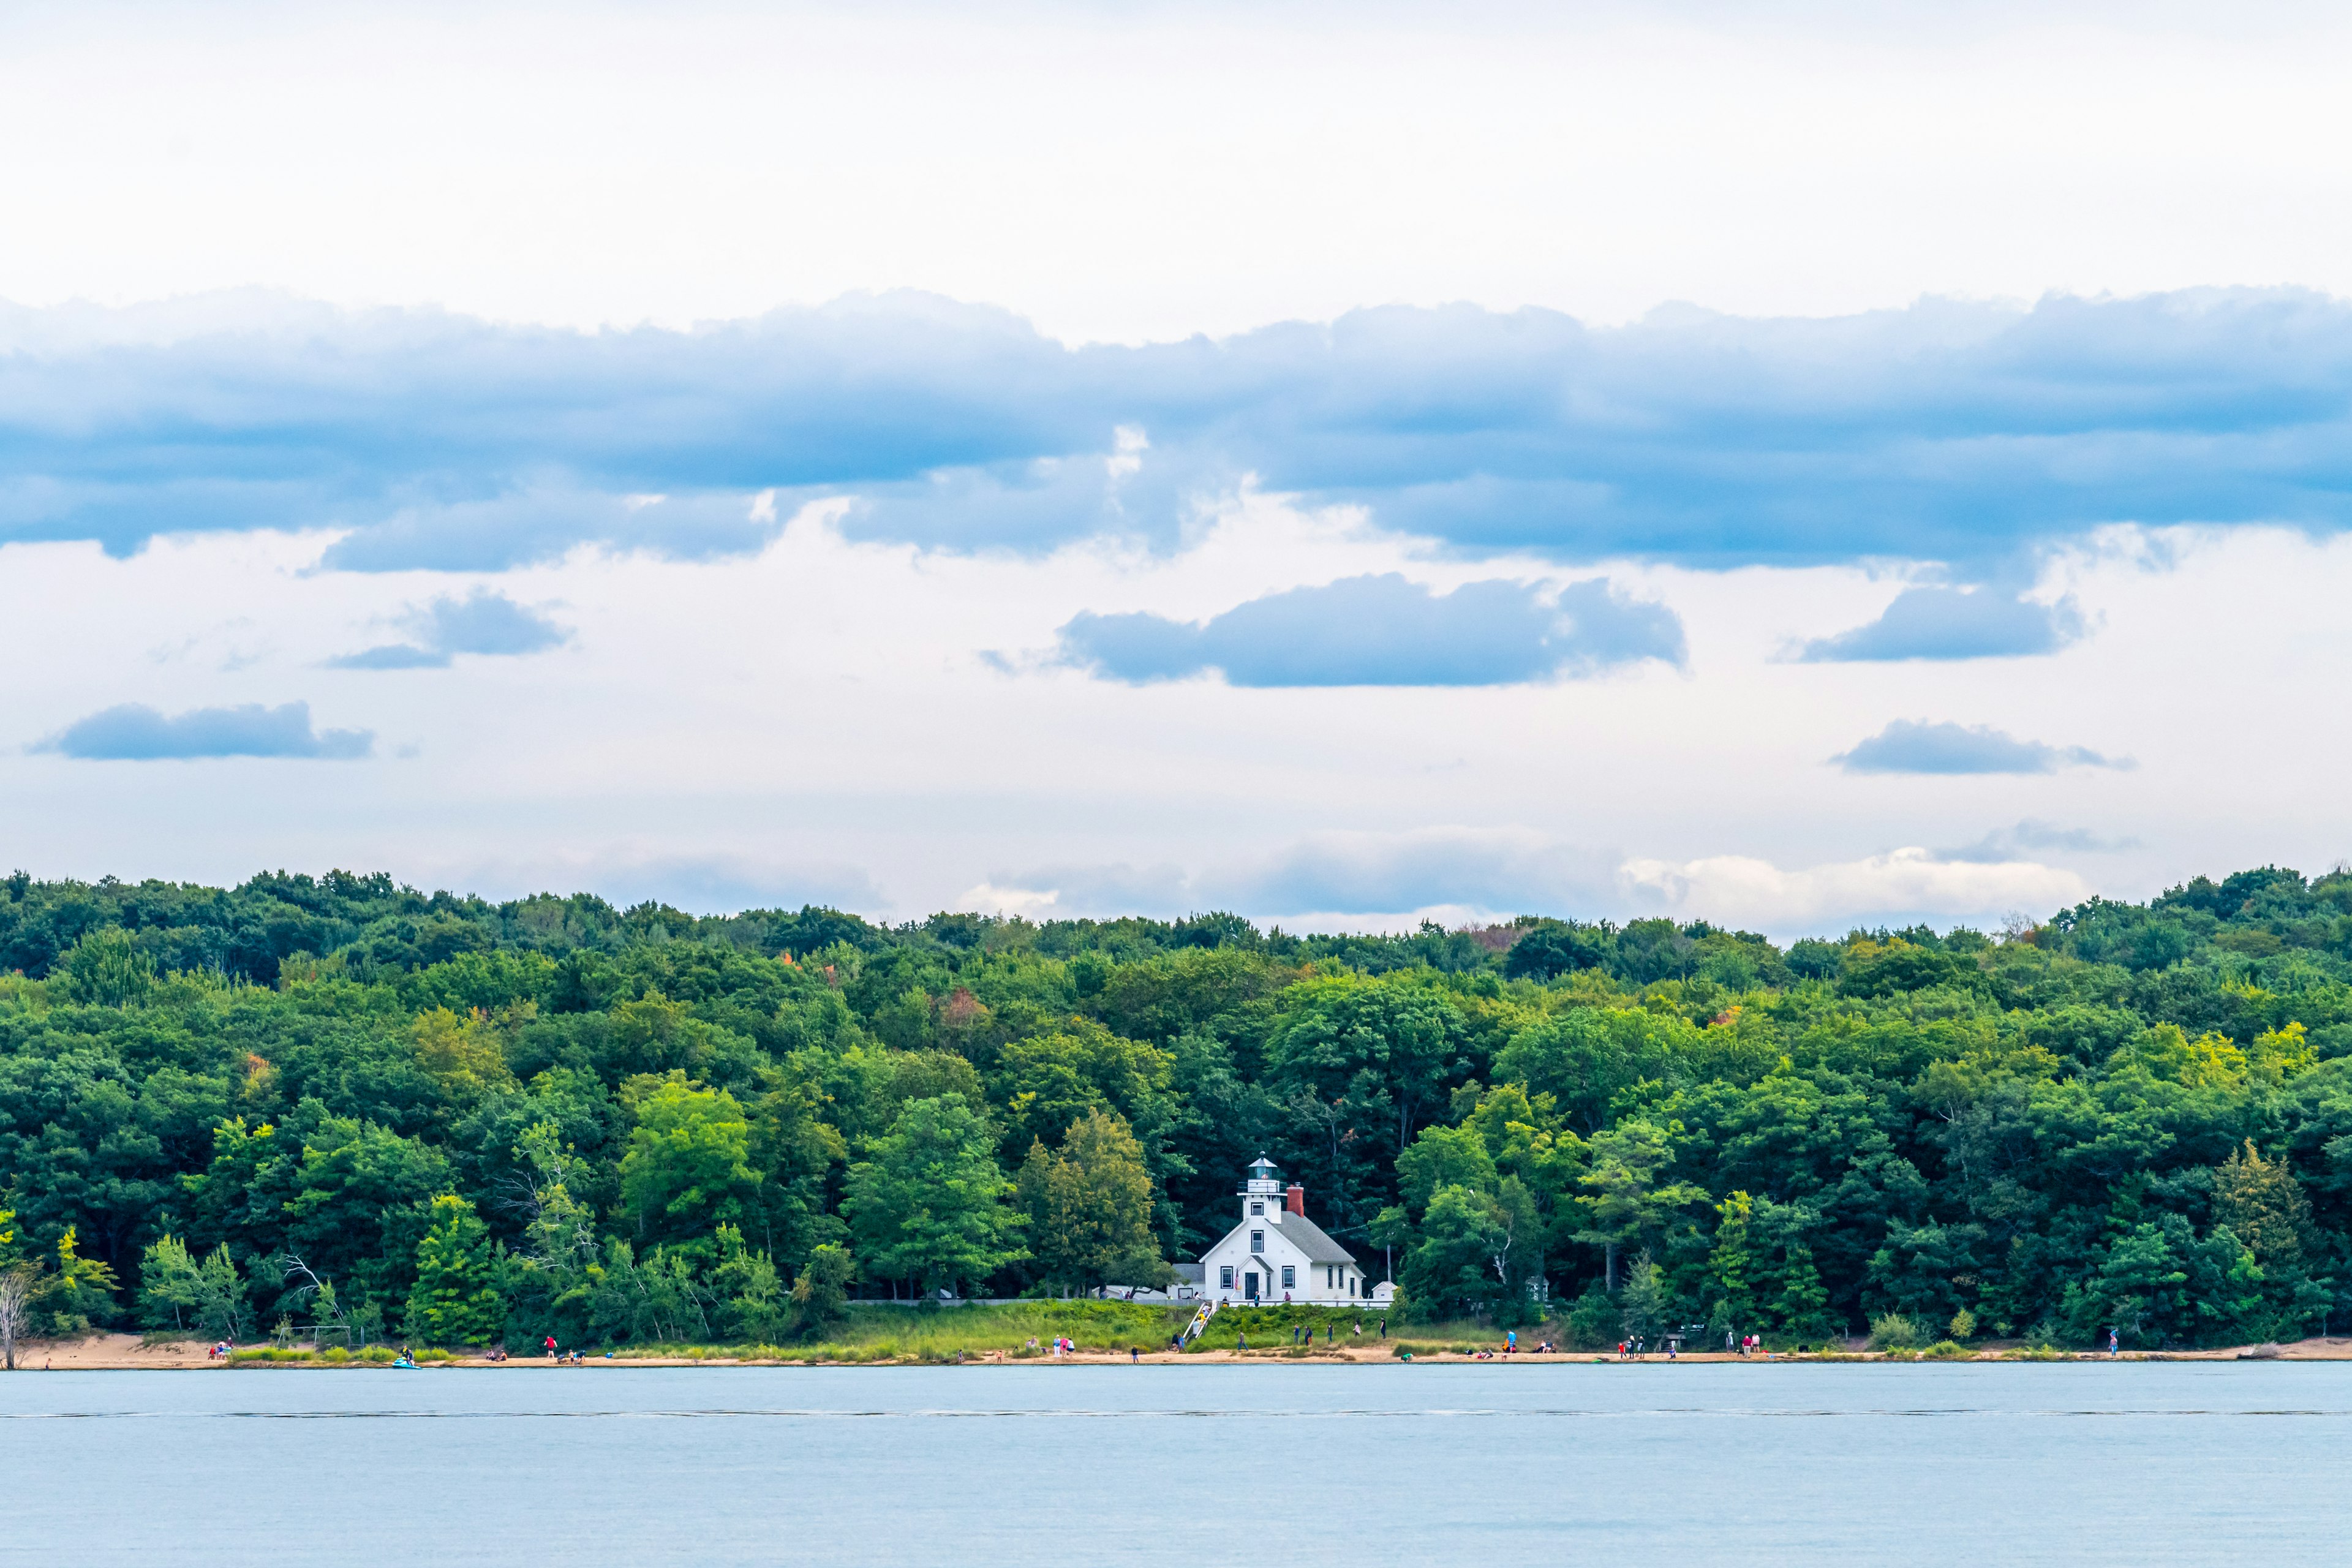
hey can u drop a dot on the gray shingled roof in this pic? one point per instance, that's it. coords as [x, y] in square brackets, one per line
[1305, 1235]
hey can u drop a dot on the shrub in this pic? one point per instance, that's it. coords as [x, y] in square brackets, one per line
[1595, 1321]
[1964, 1325]
[1947, 1350]
[1894, 1332]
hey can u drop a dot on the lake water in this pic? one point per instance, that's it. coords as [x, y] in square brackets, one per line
[1487, 1464]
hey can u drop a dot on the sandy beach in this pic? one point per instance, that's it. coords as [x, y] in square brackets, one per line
[118, 1352]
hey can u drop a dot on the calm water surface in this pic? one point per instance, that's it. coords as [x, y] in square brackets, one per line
[2180, 1462]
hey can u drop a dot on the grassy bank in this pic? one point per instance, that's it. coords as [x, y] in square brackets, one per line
[900, 1334]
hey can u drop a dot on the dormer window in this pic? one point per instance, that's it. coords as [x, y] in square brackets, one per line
[1257, 1211]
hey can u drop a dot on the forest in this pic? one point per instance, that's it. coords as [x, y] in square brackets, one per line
[340, 1100]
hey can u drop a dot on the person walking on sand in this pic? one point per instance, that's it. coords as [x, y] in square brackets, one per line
[2115, 1344]
[1511, 1341]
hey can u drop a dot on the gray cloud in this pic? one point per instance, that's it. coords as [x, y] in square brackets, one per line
[1386, 631]
[1909, 746]
[2015, 842]
[1969, 434]
[1341, 874]
[135, 732]
[1945, 623]
[482, 623]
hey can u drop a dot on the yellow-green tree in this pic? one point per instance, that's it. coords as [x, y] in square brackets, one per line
[1092, 1214]
[455, 1301]
[2264, 1205]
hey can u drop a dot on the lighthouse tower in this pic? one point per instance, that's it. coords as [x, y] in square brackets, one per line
[1262, 1191]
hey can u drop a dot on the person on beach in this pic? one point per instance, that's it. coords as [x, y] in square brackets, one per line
[1133, 1354]
[2115, 1344]
[1511, 1341]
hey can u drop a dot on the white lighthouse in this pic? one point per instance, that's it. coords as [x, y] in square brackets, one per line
[1277, 1253]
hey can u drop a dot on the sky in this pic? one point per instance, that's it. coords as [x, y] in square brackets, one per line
[1794, 466]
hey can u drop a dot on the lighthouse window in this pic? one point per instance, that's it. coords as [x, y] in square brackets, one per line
[1289, 1277]
[1257, 1241]
[1224, 1279]
[1256, 1209]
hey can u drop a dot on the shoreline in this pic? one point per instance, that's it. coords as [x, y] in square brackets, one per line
[130, 1352]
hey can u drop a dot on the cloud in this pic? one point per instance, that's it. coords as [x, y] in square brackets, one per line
[2011, 843]
[1362, 881]
[135, 732]
[1970, 434]
[1954, 622]
[1909, 746]
[482, 623]
[1902, 885]
[1340, 875]
[1386, 631]
[1481, 868]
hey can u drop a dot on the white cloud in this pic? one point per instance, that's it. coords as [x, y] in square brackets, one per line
[1736, 890]
[812, 721]
[1794, 157]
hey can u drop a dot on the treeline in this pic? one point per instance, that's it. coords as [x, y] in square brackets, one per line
[341, 1100]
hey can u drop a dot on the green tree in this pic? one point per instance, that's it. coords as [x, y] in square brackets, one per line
[167, 1284]
[1451, 1264]
[1646, 1304]
[750, 1293]
[463, 1053]
[106, 969]
[455, 1301]
[1731, 1264]
[2264, 1205]
[927, 1203]
[1624, 1199]
[546, 1283]
[1048, 1081]
[1407, 1035]
[220, 1308]
[687, 1168]
[1094, 1224]
[821, 1294]
[1445, 1157]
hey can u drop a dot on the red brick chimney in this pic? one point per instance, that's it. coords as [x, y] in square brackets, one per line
[1295, 1201]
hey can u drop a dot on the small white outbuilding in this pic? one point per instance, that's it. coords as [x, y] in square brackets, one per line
[1277, 1253]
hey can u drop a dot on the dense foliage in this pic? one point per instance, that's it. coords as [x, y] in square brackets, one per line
[342, 1100]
